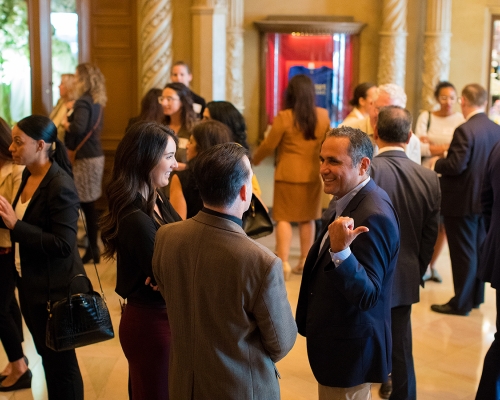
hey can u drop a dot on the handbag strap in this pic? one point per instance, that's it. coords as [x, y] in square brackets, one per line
[89, 134]
[95, 267]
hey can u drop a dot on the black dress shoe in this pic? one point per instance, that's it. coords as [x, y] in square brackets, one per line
[447, 309]
[24, 382]
[2, 377]
[385, 389]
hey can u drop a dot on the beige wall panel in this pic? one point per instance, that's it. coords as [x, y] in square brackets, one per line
[182, 39]
[469, 43]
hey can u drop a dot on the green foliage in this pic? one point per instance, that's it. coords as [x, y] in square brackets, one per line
[63, 6]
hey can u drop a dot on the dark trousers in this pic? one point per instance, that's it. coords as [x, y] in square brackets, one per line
[465, 236]
[404, 383]
[11, 326]
[91, 217]
[489, 385]
[145, 340]
[62, 374]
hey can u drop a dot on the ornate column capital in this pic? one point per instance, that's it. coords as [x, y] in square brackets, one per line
[155, 22]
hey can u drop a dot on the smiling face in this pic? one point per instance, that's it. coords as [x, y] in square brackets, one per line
[24, 149]
[160, 174]
[170, 103]
[180, 74]
[338, 173]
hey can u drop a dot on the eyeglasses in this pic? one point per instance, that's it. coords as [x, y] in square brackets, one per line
[169, 99]
[446, 98]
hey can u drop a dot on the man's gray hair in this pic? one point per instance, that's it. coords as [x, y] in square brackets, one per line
[360, 145]
[395, 92]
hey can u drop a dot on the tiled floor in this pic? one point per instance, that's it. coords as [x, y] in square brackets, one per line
[448, 350]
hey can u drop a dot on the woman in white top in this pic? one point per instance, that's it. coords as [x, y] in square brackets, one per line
[435, 131]
[364, 95]
[11, 333]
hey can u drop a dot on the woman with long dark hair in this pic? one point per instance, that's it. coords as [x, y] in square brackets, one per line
[228, 114]
[151, 110]
[177, 105]
[43, 223]
[11, 328]
[184, 193]
[137, 208]
[88, 166]
[296, 133]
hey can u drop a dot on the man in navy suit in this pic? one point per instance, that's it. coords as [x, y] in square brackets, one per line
[344, 306]
[489, 270]
[462, 177]
[416, 196]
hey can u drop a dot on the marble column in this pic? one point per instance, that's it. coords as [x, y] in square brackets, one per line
[392, 53]
[234, 64]
[209, 47]
[436, 49]
[155, 47]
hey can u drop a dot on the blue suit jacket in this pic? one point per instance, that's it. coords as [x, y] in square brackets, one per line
[489, 265]
[345, 312]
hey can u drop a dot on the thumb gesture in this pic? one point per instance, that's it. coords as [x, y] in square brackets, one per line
[342, 233]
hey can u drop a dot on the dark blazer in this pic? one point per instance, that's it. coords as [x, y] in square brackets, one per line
[345, 312]
[227, 307]
[416, 196]
[83, 118]
[489, 265]
[47, 236]
[463, 168]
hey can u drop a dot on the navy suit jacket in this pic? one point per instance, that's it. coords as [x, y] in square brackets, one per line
[463, 169]
[416, 196]
[345, 312]
[489, 265]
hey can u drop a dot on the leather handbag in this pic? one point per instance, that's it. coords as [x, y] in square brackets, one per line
[256, 220]
[78, 320]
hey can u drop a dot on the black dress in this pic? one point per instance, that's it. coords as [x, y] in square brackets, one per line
[190, 191]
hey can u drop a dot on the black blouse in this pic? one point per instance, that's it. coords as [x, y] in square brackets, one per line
[194, 203]
[135, 246]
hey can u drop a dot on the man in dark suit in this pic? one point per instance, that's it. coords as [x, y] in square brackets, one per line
[416, 196]
[489, 270]
[462, 177]
[226, 298]
[344, 307]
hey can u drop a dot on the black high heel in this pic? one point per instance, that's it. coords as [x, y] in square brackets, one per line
[2, 377]
[24, 382]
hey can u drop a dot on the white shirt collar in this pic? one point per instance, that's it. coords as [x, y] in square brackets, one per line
[474, 113]
[389, 148]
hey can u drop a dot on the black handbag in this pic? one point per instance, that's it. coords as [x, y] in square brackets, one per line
[256, 220]
[78, 320]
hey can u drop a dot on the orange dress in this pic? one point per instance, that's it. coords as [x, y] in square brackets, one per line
[297, 183]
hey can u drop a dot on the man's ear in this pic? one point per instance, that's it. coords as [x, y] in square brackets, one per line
[409, 137]
[364, 165]
[243, 193]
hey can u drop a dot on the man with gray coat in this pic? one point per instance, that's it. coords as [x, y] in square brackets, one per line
[416, 196]
[226, 299]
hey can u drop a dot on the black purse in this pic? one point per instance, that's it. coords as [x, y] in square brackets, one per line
[78, 320]
[256, 220]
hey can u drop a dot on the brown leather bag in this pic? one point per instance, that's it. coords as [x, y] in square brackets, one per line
[72, 153]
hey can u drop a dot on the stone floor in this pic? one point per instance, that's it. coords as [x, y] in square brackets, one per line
[448, 350]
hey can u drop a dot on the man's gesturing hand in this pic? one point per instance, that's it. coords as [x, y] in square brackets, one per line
[342, 234]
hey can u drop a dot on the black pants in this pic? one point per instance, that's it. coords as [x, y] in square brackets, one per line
[465, 236]
[489, 385]
[11, 327]
[62, 373]
[404, 383]
[91, 217]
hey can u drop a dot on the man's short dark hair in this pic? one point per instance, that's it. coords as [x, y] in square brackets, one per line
[475, 94]
[220, 172]
[360, 145]
[394, 124]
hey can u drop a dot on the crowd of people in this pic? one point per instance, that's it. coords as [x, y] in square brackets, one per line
[207, 303]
